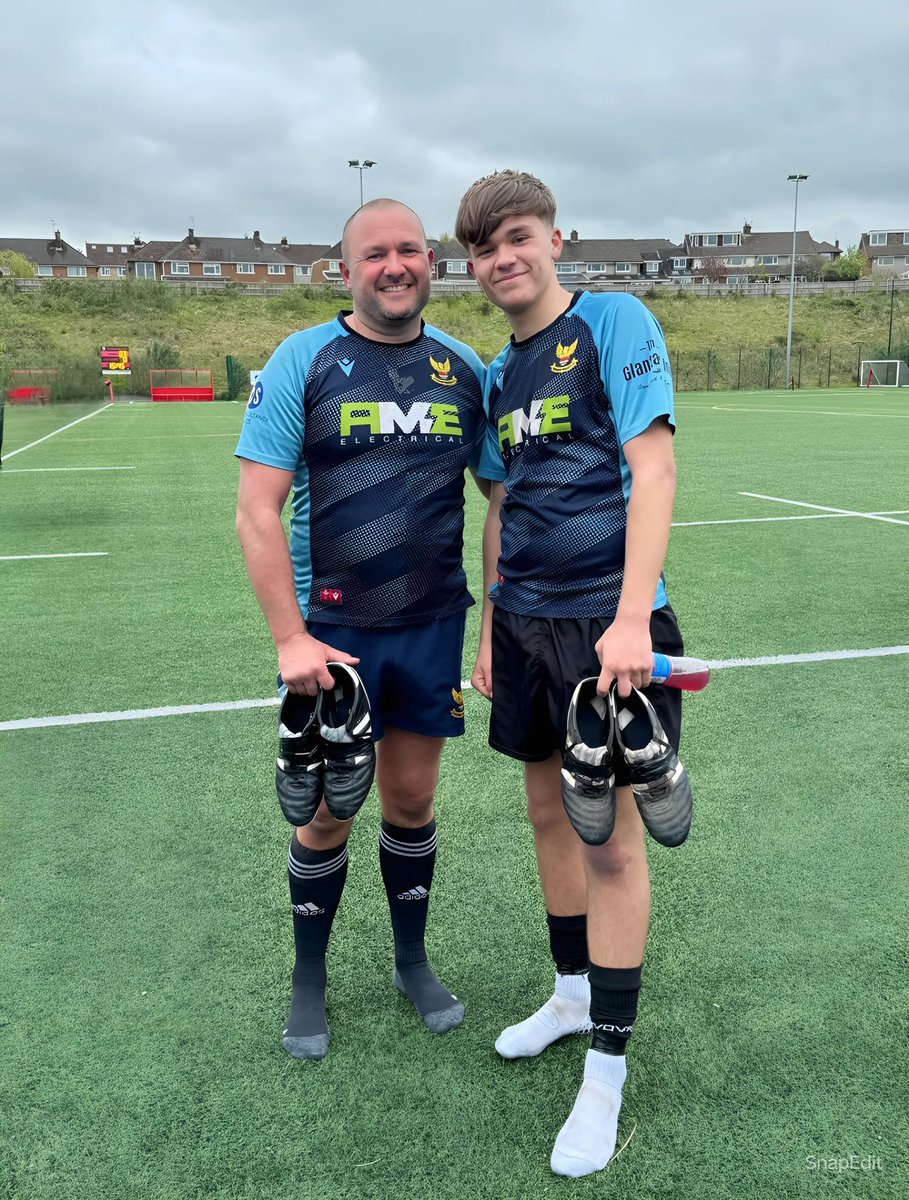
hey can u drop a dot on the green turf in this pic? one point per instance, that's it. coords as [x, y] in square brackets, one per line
[145, 942]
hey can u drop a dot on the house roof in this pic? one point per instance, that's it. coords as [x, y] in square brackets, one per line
[302, 254]
[453, 250]
[109, 252]
[149, 252]
[762, 243]
[194, 248]
[46, 252]
[612, 250]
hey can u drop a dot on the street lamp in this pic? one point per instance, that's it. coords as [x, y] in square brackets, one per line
[797, 179]
[361, 167]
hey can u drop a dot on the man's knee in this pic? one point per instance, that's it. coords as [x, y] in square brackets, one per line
[408, 800]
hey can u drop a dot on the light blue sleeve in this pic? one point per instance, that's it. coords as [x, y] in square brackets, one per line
[275, 422]
[490, 465]
[634, 362]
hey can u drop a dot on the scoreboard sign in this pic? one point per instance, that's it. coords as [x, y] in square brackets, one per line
[115, 360]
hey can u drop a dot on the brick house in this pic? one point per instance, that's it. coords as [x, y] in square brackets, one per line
[887, 251]
[737, 256]
[52, 257]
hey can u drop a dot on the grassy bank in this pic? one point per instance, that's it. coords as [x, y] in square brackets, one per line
[63, 324]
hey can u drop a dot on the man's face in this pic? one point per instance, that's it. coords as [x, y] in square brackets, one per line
[514, 267]
[387, 268]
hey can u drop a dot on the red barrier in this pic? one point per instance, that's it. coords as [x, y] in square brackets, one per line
[181, 384]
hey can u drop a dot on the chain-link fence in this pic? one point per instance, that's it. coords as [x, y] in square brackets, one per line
[748, 369]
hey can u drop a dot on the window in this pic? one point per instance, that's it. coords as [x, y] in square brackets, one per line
[276, 268]
[104, 271]
[121, 271]
[732, 239]
[123, 249]
[769, 260]
[652, 268]
[301, 271]
[457, 266]
[623, 268]
[566, 269]
[179, 268]
[679, 264]
[211, 268]
[45, 270]
[145, 270]
[245, 269]
[75, 272]
[737, 260]
[333, 265]
[906, 239]
[878, 239]
[110, 249]
[710, 239]
[737, 279]
[596, 266]
[886, 260]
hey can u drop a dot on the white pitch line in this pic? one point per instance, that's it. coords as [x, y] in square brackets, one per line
[822, 516]
[181, 710]
[843, 512]
[785, 660]
[79, 554]
[44, 470]
[62, 429]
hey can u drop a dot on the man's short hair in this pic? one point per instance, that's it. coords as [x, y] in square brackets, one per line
[380, 202]
[487, 203]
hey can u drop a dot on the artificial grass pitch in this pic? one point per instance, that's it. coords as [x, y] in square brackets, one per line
[146, 944]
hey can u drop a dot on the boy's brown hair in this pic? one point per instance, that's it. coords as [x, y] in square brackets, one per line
[487, 203]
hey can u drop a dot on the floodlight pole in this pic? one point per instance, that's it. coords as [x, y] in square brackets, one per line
[795, 224]
[361, 167]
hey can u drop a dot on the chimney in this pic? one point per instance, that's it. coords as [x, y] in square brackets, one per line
[137, 241]
[574, 235]
[837, 243]
[192, 236]
[284, 241]
[746, 229]
[58, 240]
[256, 237]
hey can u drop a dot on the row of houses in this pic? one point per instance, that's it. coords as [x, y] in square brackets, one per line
[722, 257]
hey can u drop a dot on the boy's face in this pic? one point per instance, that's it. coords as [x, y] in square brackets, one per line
[515, 267]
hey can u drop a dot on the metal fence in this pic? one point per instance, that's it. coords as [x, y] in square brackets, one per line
[748, 369]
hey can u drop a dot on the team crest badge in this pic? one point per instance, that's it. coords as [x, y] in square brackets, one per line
[458, 710]
[565, 358]
[441, 372]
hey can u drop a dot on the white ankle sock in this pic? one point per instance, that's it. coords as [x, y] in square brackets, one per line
[567, 1011]
[586, 1141]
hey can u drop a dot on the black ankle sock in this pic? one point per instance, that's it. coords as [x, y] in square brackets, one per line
[568, 943]
[613, 1006]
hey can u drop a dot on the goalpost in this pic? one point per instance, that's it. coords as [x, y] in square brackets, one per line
[884, 372]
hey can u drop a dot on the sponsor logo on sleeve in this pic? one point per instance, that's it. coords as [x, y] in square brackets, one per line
[256, 395]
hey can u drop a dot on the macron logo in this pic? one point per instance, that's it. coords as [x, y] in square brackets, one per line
[417, 893]
[306, 910]
[346, 365]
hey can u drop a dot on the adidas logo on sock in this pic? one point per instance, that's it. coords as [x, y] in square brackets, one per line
[416, 893]
[306, 910]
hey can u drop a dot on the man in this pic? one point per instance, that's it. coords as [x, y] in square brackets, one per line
[573, 548]
[371, 419]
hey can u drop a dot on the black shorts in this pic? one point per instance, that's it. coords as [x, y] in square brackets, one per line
[537, 662]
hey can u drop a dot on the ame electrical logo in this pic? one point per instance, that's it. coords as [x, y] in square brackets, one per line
[549, 418]
[386, 417]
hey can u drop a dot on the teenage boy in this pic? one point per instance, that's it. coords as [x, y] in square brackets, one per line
[581, 400]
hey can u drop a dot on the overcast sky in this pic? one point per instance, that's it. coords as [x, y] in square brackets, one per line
[647, 119]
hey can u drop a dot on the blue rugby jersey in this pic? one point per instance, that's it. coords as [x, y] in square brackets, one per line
[563, 402]
[378, 436]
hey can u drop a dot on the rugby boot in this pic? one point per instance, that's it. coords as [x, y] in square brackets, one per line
[348, 751]
[662, 790]
[588, 780]
[298, 772]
